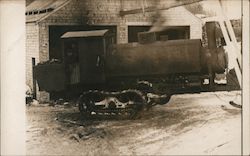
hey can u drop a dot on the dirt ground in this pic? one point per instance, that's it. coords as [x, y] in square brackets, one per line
[190, 124]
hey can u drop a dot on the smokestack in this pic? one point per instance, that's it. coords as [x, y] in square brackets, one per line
[211, 37]
[214, 35]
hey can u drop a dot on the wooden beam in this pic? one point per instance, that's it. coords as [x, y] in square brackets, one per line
[233, 49]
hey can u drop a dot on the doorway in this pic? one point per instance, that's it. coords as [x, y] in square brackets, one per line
[34, 78]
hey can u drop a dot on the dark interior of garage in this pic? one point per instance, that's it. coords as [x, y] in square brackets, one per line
[168, 33]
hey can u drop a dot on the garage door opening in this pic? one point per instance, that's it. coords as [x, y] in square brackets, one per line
[167, 33]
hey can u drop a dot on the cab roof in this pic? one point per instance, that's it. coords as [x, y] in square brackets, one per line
[81, 34]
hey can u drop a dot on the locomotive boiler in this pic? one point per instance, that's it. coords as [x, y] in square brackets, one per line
[123, 79]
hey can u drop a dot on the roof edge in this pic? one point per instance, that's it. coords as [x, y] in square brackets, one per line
[54, 11]
[189, 12]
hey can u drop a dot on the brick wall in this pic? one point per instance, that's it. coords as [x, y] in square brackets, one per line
[106, 12]
[71, 14]
[32, 50]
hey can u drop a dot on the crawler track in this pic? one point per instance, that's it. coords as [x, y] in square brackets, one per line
[124, 104]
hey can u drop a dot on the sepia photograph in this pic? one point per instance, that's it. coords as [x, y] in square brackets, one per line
[125, 77]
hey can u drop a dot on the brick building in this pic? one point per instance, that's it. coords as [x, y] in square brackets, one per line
[47, 20]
